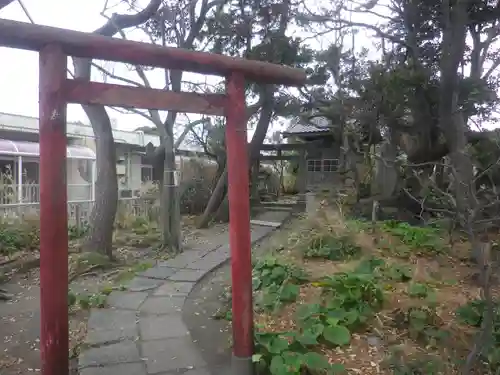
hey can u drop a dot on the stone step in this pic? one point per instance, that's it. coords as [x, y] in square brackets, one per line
[278, 204]
[264, 207]
[264, 223]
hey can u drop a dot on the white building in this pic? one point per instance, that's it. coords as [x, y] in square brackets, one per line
[19, 160]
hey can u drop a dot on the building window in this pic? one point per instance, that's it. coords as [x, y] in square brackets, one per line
[314, 165]
[146, 173]
[31, 172]
[330, 165]
[146, 170]
[322, 165]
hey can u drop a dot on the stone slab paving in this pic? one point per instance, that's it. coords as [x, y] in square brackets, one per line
[142, 332]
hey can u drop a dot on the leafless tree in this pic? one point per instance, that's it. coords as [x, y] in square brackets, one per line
[106, 200]
[178, 24]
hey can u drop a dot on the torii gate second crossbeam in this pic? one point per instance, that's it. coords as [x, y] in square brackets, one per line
[56, 90]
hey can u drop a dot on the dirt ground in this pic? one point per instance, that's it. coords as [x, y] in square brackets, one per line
[20, 316]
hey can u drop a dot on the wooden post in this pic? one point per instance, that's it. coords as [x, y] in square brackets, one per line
[255, 198]
[302, 178]
[20, 195]
[78, 218]
[239, 225]
[53, 213]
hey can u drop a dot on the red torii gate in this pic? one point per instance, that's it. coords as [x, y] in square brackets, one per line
[55, 91]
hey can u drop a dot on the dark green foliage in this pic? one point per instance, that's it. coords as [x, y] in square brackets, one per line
[348, 301]
[88, 300]
[351, 297]
[331, 247]
[422, 240]
[21, 236]
[398, 272]
[474, 313]
[422, 323]
[283, 354]
[75, 232]
[380, 270]
[419, 290]
[276, 281]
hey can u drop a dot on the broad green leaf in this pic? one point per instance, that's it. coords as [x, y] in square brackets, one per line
[317, 329]
[293, 361]
[351, 317]
[277, 366]
[337, 335]
[418, 290]
[289, 293]
[265, 339]
[278, 345]
[278, 272]
[337, 368]
[308, 338]
[315, 361]
[306, 311]
[332, 321]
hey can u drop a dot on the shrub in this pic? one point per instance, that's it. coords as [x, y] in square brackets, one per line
[277, 281]
[351, 297]
[425, 240]
[329, 246]
[19, 235]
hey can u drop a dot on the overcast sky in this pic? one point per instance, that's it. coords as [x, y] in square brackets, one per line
[19, 73]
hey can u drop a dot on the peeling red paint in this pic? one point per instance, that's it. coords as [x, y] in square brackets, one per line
[139, 97]
[74, 43]
[53, 214]
[239, 214]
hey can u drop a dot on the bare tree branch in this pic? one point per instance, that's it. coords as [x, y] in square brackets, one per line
[4, 3]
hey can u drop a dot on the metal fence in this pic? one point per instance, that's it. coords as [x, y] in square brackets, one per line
[30, 193]
[79, 211]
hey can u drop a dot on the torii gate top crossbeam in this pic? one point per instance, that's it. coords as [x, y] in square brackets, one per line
[27, 36]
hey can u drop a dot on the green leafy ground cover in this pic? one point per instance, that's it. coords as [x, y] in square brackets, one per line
[339, 299]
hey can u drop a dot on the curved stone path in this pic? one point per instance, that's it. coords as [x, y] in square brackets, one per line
[142, 332]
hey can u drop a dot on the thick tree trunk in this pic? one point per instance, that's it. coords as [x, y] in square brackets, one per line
[162, 159]
[170, 204]
[215, 200]
[451, 119]
[103, 214]
[220, 190]
[170, 199]
[102, 218]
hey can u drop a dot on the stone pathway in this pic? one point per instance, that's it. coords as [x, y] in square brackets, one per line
[142, 331]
